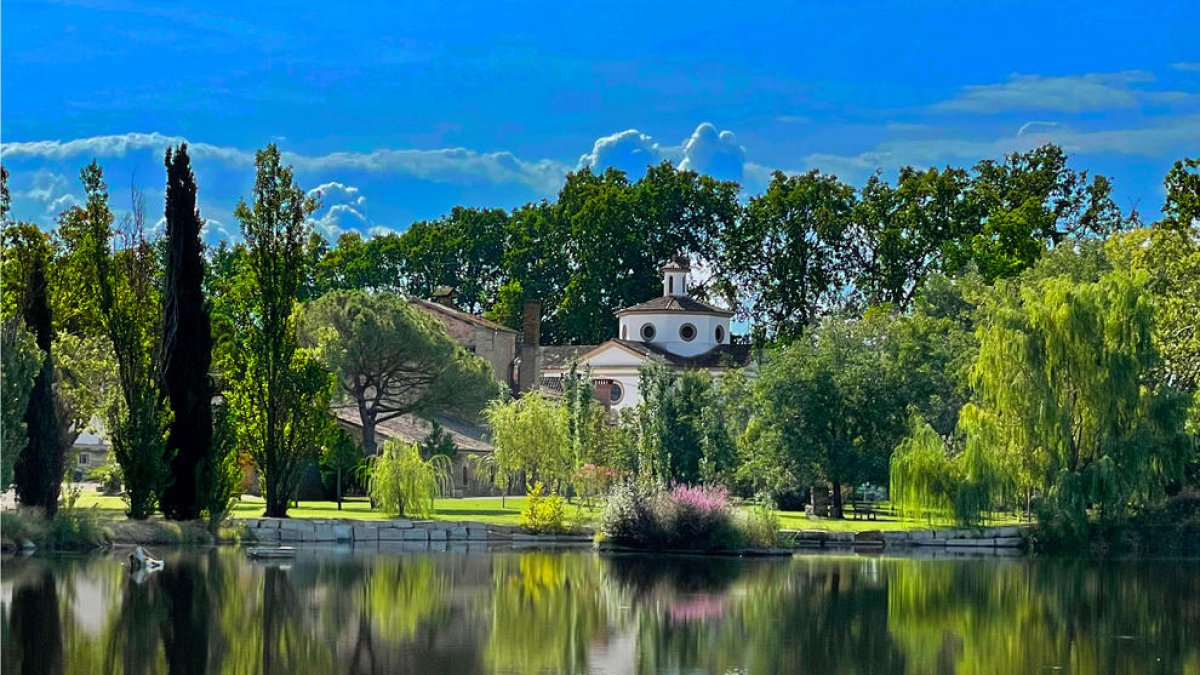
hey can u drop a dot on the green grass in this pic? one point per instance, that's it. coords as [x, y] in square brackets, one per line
[490, 510]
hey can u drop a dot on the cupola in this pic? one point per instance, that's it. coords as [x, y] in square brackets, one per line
[675, 278]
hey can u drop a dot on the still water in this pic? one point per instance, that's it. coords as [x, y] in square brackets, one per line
[338, 611]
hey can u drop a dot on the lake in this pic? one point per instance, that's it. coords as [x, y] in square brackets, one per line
[344, 611]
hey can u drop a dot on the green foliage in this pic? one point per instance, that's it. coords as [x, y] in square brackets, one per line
[391, 359]
[128, 300]
[277, 394]
[186, 349]
[1063, 370]
[785, 251]
[438, 442]
[544, 512]
[530, 437]
[219, 475]
[403, 484]
[671, 424]
[20, 365]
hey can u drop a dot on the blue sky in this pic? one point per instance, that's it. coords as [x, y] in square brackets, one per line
[399, 111]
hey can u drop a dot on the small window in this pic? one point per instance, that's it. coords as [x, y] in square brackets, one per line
[624, 332]
[83, 458]
[616, 393]
[671, 285]
[720, 334]
[687, 332]
[648, 332]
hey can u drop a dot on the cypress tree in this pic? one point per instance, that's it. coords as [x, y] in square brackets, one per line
[187, 345]
[38, 473]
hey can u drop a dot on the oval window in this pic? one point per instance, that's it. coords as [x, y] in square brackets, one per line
[687, 332]
[615, 394]
[648, 331]
[720, 334]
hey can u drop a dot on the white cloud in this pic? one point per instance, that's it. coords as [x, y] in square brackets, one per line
[337, 219]
[630, 151]
[380, 231]
[717, 154]
[340, 191]
[449, 165]
[1186, 66]
[1165, 138]
[1072, 93]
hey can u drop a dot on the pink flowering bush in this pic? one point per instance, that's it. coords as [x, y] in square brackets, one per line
[684, 517]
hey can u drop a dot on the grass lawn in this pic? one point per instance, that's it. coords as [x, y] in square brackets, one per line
[490, 510]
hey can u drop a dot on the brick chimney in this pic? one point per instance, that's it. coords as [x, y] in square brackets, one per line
[529, 369]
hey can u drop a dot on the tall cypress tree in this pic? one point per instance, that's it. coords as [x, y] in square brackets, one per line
[38, 473]
[187, 345]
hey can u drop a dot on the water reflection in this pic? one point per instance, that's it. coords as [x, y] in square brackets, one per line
[576, 612]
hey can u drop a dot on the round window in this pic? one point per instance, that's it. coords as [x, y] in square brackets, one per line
[720, 334]
[687, 332]
[648, 331]
[616, 392]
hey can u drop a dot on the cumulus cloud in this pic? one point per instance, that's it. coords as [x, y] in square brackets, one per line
[1186, 66]
[341, 192]
[337, 219]
[630, 151]
[1072, 93]
[717, 154]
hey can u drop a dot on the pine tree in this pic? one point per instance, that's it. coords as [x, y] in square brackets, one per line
[186, 344]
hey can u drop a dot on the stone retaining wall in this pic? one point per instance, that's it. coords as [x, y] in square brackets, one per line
[373, 532]
[1012, 537]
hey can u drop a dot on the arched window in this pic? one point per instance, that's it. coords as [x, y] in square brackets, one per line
[648, 332]
[624, 332]
[671, 284]
[687, 332]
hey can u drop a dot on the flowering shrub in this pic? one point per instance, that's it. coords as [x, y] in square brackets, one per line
[685, 517]
[544, 513]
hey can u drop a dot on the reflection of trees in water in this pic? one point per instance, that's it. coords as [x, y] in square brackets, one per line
[1026, 616]
[33, 641]
[542, 612]
[547, 610]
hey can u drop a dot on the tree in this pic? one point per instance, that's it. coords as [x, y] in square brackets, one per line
[20, 366]
[340, 458]
[277, 394]
[530, 437]
[125, 283]
[38, 471]
[392, 360]
[1062, 369]
[834, 404]
[186, 342]
[784, 255]
[404, 483]
[462, 250]
[438, 442]
[671, 423]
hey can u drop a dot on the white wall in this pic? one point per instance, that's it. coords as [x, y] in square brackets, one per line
[667, 325]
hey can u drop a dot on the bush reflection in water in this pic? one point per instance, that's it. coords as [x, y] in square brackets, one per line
[572, 612]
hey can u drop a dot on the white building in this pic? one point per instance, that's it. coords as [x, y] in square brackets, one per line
[675, 329]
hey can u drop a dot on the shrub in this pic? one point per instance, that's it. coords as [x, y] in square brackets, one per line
[544, 513]
[758, 525]
[591, 481]
[686, 517]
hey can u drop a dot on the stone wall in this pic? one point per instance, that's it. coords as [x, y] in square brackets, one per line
[373, 532]
[1012, 537]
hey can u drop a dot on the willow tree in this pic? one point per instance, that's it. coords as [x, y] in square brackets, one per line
[278, 395]
[1062, 372]
[530, 436]
[404, 483]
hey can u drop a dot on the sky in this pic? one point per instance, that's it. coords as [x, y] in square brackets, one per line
[398, 111]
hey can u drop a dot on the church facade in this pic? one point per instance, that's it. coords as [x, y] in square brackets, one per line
[674, 329]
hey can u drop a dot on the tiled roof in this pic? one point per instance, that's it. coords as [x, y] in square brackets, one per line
[460, 315]
[467, 436]
[737, 356]
[676, 303]
[561, 356]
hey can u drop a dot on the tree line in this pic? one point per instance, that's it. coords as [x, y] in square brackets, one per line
[890, 316]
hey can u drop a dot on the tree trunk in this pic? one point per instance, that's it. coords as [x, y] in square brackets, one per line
[367, 418]
[837, 500]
